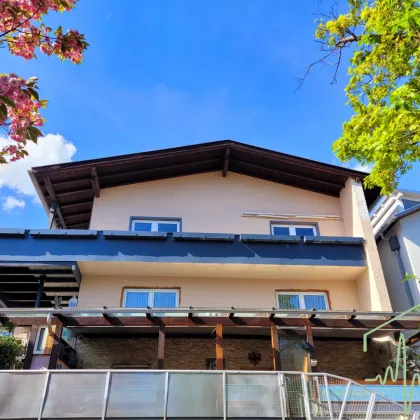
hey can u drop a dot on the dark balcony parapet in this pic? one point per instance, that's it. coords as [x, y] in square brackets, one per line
[219, 248]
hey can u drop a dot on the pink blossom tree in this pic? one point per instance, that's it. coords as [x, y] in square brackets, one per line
[22, 31]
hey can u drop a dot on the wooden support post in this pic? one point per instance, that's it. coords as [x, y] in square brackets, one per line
[310, 342]
[275, 348]
[219, 347]
[55, 350]
[30, 347]
[40, 291]
[161, 347]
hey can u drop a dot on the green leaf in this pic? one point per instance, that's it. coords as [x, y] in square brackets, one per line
[3, 112]
[410, 276]
[7, 101]
[34, 93]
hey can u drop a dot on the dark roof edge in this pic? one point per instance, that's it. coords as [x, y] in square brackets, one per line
[395, 219]
[174, 150]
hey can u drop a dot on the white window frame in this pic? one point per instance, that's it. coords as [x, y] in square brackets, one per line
[44, 340]
[155, 223]
[292, 228]
[302, 299]
[151, 295]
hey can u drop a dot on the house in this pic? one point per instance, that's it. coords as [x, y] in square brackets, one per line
[209, 258]
[396, 225]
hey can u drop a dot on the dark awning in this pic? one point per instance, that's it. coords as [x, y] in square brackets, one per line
[74, 185]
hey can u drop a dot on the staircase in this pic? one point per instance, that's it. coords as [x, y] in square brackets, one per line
[129, 394]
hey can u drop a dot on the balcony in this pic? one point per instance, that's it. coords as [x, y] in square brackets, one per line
[101, 394]
[149, 247]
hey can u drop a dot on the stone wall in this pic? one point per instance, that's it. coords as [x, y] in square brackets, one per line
[343, 358]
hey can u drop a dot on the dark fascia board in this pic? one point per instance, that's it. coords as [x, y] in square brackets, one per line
[395, 219]
[63, 233]
[7, 232]
[228, 143]
[121, 234]
[270, 238]
[333, 240]
[195, 236]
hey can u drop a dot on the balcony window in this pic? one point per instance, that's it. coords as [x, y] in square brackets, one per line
[159, 298]
[146, 225]
[291, 300]
[293, 230]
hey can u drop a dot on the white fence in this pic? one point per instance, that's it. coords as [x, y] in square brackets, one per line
[200, 395]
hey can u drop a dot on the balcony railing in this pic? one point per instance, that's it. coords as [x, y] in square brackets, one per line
[99, 394]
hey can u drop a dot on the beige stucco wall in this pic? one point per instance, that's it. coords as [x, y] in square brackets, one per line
[97, 291]
[210, 203]
[373, 293]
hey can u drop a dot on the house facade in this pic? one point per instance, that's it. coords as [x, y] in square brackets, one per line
[217, 256]
[396, 225]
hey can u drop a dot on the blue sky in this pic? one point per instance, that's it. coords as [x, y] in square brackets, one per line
[170, 73]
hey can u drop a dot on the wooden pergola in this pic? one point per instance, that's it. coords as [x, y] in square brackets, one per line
[160, 319]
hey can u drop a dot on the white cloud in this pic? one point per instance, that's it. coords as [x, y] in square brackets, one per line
[51, 149]
[363, 168]
[11, 203]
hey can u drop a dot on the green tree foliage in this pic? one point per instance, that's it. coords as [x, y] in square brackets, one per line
[383, 37]
[11, 349]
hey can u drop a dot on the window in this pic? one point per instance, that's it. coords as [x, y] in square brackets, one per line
[291, 300]
[41, 340]
[146, 225]
[160, 298]
[293, 230]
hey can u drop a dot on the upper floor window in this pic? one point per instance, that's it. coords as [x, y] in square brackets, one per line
[156, 225]
[293, 230]
[154, 298]
[41, 340]
[304, 300]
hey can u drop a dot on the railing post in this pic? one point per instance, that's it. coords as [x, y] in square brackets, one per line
[327, 392]
[165, 400]
[281, 396]
[306, 400]
[219, 347]
[106, 392]
[371, 405]
[224, 396]
[343, 406]
[44, 395]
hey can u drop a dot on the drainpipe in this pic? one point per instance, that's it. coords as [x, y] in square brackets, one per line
[394, 244]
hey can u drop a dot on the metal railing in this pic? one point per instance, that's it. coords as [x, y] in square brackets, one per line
[113, 394]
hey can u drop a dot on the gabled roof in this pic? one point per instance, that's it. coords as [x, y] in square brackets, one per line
[74, 185]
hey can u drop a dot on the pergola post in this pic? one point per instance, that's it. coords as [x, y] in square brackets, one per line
[275, 348]
[311, 352]
[30, 347]
[161, 347]
[219, 347]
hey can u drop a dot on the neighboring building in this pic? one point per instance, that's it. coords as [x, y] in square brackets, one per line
[213, 256]
[396, 225]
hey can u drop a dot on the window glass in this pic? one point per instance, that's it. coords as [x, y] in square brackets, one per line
[280, 230]
[168, 227]
[315, 302]
[142, 227]
[164, 300]
[305, 231]
[136, 299]
[288, 301]
[40, 343]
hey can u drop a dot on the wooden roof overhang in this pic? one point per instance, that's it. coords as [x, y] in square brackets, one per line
[73, 186]
[193, 317]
